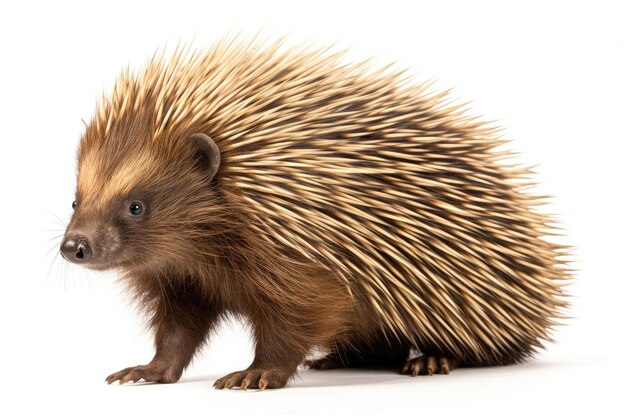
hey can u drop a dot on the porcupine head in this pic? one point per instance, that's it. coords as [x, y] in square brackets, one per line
[141, 202]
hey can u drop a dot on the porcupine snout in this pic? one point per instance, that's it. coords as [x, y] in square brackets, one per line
[75, 248]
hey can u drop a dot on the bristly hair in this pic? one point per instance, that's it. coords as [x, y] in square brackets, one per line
[391, 187]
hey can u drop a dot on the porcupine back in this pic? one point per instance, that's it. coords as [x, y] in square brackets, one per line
[397, 192]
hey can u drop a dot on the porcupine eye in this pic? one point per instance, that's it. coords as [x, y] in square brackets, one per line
[136, 209]
[73, 204]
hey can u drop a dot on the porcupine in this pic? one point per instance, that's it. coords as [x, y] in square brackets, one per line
[333, 206]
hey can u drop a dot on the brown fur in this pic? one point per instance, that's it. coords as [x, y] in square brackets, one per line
[350, 211]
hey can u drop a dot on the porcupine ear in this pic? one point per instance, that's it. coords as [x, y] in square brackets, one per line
[208, 151]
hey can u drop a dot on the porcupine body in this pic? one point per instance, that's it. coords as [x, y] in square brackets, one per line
[330, 205]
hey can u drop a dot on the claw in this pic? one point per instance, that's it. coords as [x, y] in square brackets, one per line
[417, 367]
[149, 373]
[247, 381]
[253, 378]
[444, 365]
[129, 377]
[245, 385]
[431, 366]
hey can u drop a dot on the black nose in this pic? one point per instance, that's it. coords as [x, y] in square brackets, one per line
[75, 249]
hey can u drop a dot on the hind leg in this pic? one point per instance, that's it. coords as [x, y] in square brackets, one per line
[429, 365]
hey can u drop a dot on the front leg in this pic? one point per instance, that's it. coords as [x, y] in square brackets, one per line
[181, 320]
[278, 353]
[286, 327]
[299, 305]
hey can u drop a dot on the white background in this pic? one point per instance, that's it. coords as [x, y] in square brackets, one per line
[553, 74]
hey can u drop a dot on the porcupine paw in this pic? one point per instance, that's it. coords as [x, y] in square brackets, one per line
[428, 365]
[149, 373]
[253, 378]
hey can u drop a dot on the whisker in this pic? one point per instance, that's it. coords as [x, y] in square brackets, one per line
[59, 236]
[60, 222]
[52, 264]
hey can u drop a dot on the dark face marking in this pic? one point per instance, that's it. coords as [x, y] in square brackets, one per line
[104, 238]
